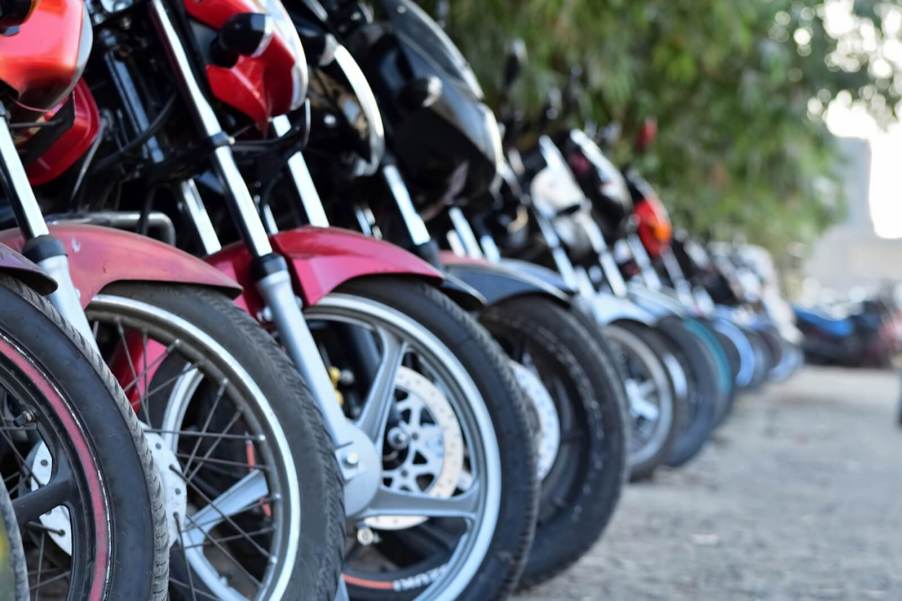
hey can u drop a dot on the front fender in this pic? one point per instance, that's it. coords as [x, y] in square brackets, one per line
[100, 256]
[657, 303]
[322, 259]
[607, 308]
[25, 271]
[498, 282]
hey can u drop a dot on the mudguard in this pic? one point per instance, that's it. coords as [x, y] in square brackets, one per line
[100, 256]
[607, 308]
[321, 259]
[22, 269]
[657, 303]
[549, 276]
[498, 282]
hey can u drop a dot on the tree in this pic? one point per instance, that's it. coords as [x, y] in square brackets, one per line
[738, 88]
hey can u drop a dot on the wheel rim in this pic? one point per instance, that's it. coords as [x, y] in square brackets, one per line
[238, 523]
[648, 392]
[475, 505]
[34, 413]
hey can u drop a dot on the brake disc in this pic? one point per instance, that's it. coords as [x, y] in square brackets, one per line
[57, 521]
[424, 452]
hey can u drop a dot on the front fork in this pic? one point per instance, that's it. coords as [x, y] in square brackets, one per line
[356, 454]
[42, 248]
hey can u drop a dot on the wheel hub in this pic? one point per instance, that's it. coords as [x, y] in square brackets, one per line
[425, 451]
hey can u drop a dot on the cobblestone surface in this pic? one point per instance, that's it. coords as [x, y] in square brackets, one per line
[799, 497]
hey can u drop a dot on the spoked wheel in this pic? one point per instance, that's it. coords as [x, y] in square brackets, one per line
[13, 567]
[254, 499]
[576, 390]
[454, 514]
[84, 488]
[654, 407]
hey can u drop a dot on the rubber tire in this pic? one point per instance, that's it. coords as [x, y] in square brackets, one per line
[318, 567]
[13, 569]
[487, 365]
[701, 370]
[139, 540]
[656, 345]
[726, 384]
[579, 515]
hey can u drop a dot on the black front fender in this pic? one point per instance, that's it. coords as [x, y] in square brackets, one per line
[497, 283]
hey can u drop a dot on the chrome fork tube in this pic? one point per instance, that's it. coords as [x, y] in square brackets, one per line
[415, 225]
[676, 275]
[649, 276]
[606, 259]
[558, 253]
[272, 276]
[465, 233]
[40, 246]
[309, 196]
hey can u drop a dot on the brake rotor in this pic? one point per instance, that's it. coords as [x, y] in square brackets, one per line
[548, 438]
[424, 452]
[57, 521]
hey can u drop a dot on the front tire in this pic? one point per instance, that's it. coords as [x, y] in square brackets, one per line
[440, 558]
[240, 424]
[582, 486]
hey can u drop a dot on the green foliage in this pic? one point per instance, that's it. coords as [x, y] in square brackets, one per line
[738, 89]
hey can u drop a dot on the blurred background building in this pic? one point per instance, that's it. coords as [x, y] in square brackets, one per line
[851, 254]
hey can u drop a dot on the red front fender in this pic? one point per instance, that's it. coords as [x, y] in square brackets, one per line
[322, 259]
[100, 256]
[22, 269]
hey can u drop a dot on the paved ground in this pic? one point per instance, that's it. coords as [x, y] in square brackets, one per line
[798, 498]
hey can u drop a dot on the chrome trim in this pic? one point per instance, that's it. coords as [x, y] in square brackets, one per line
[303, 181]
[416, 227]
[255, 235]
[28, 213]
[364, 93]
[465, 233]
[193, 205]
[646, 270]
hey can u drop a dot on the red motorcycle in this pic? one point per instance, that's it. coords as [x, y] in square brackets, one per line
[229, 422]
[394, 366]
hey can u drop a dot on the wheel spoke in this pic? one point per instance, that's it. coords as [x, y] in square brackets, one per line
[642, 408]
[34, 504]
[379, 400]
[397, 503]
[241, 495]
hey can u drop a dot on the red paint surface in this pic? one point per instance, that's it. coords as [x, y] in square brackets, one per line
[322, 259]
[654, 226]
[100, 256]
[261, 86]
[23, 269]
[45, 58]
[73, 143]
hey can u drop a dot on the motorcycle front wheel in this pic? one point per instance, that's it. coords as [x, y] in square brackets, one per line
[85, 490]
[254, 496]
[582, 444]
[455, 514]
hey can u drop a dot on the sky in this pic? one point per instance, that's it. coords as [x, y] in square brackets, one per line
[886, 146]
[886, 164]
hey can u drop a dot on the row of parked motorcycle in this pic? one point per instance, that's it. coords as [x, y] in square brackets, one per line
[289, 312]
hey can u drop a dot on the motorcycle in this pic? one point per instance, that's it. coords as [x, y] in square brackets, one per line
[394, 367]
[378, 185]
[215, 395]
